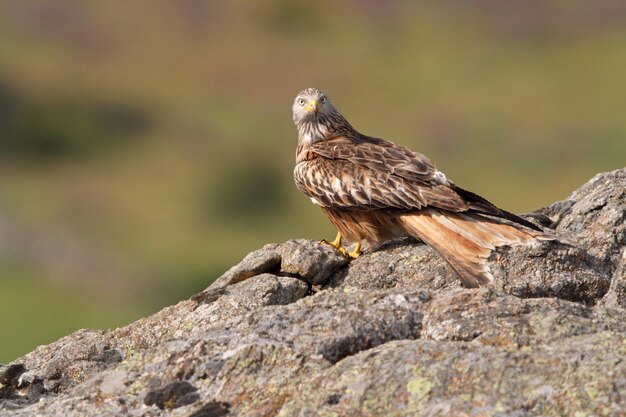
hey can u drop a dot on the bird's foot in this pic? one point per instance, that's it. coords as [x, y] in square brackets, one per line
[336, 244]
[356, 252]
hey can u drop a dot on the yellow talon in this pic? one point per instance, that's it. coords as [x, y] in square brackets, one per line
[337, 244]
[356, 252]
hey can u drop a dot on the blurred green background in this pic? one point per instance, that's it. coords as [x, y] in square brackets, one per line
[147, 146]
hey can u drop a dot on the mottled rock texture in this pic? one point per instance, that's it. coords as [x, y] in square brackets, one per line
[297, 330]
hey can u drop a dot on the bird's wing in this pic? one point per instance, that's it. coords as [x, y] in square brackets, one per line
[373, 174]
[378, 154]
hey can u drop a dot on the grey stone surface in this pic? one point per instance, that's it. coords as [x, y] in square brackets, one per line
[616, 296]
[594, 215]
[296, 330]
[260, 261]
[334, 324]
[402, 264]
[551, 269]
[424, 377]
[315, 263]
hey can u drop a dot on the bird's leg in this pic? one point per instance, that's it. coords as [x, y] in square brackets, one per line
[336, 244]
[356, 252]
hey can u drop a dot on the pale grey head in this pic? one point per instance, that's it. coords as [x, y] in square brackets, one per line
[309, 103]
[316, 118]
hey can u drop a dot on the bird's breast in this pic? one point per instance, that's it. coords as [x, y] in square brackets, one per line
[300, 177]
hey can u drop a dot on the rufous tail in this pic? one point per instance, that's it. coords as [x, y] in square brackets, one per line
[465, 240]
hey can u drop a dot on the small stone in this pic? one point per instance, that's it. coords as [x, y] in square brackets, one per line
[212, 409]
[258, 262]
[172, 396]
[110, 356]
[311, 260]
[12, 374]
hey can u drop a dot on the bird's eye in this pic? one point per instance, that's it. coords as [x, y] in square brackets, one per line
[323, 99]
[301, 101]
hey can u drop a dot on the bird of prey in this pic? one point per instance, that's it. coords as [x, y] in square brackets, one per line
[374, 190]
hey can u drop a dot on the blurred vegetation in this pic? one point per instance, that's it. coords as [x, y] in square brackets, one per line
[64, 127]
[146, 146]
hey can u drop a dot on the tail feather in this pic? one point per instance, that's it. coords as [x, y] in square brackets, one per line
[481, 205]
[465, 240]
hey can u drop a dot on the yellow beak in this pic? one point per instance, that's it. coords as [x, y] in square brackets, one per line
[311, 106]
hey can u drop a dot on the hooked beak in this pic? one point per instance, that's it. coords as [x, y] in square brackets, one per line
[311, 107]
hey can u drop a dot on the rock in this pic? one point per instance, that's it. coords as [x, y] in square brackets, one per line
[616, 297]
[403, 264]
[240, 299]
[339, 323]
[113, 382]
[503, 320]
[424, 377]
[593, 216]
[297, 330]
[315, 263]
[212, 409]
[551, 269]
[10, 376]
[260, 261]
[174, 395]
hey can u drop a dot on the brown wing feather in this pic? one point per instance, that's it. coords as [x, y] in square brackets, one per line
[378, 154]
[403, 179]
[372, 175]
[344, 185]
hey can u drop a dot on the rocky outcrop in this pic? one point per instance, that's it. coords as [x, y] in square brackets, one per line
[297, 330]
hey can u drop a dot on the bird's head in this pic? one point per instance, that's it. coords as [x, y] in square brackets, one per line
[311, 104]
[315, 116]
